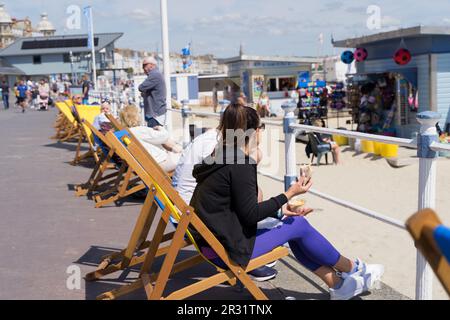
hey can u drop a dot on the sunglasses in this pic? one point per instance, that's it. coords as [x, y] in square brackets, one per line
[262, 126]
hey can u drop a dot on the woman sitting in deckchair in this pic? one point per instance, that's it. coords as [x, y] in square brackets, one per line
[226, 200]
[155, 140]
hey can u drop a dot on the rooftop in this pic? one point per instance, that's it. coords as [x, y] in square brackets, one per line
[414, 32]
[57, 44]
[245, 57]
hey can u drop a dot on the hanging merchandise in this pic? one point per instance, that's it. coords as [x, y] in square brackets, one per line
[337, 97]
[402, 56]
[347, 57]
[361, 54]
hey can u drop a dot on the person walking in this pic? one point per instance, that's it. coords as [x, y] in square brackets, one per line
[85, 88]
[5, 94]
[153, 90]
[22, 90]
[215, 96]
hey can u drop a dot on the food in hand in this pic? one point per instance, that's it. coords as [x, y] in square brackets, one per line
[296, 204]
[306, 170]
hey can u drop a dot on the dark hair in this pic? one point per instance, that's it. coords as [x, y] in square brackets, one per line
[238, 117]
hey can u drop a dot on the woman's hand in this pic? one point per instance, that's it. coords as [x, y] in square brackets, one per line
[302, 212]
[301, 187]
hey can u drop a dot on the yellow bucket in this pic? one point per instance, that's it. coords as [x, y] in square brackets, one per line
[389, 150]
[340, 140]
[367, 146]
[377, 146]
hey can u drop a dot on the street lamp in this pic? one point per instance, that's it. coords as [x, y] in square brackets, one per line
[166, 61]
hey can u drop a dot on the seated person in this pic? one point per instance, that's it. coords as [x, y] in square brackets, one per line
[183, 181]
[333, 145]
[77, 101]
[226, 200]
[155, 140]
[105, 109]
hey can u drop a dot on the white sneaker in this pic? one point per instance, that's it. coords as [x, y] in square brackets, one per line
[272, 264]
[352, 286]
[372, 274]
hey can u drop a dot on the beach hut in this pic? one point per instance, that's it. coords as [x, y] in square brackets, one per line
[417, 63]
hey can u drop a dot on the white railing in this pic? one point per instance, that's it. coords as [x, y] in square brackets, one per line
[114, 96]
[427, 146]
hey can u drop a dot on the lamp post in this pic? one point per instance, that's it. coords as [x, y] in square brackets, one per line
[166, 61]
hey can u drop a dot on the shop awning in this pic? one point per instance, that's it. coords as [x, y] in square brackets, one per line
[409, 74]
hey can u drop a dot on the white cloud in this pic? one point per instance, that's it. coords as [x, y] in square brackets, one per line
[390, 22]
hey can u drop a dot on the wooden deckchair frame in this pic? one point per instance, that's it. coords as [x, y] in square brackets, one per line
[152, 175]
[125, 183]
[421, 226]
[101, 167]
[131, 256]
[68, 126]
[84, 135]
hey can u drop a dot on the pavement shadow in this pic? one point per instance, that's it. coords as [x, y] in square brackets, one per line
[66, 146]
[188, 277]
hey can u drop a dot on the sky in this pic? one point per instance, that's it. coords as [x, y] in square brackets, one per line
[264, 27]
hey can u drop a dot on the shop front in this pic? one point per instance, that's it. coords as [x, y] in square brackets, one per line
[278, 76]
[402, 72]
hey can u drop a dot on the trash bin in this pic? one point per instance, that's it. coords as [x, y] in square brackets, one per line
[367, 146]
[377, 146]
[389, 150]
[340, 140]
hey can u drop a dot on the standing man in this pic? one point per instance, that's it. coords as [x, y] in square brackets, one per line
[153, 90]
[22, 90]
[215, 96]
[86, 87]
[5, 94]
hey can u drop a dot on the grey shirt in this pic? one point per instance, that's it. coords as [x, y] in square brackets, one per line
[153, 91]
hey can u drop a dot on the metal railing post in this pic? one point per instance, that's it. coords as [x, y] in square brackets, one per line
[427, 193]
[185, 120]
[289, 142]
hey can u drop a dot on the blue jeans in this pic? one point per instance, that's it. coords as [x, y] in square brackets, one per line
[152, 122]
[85, 100]
[6, 101]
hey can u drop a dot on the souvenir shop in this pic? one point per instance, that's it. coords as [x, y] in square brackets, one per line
[399, 73]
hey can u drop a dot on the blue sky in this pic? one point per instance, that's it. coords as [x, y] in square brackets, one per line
[266, 27]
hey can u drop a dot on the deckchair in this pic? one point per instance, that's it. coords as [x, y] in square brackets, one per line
[105, 163]
[88, 114]
[126, 182]
[69, 126]
[433, 241]
[132, 255]
[155, 283]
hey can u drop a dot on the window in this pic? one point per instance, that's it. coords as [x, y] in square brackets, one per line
[66, 58]
[37, 59]
[57, 43]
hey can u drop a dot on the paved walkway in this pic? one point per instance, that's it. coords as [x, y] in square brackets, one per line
[45, 229]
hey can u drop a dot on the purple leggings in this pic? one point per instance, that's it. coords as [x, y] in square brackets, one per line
[310, 248]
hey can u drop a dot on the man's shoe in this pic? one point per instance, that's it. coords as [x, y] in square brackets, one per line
[263, 274]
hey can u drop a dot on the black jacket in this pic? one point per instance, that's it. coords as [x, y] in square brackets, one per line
[226, 200]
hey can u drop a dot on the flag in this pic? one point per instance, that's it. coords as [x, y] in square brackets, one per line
[186, 51]
[87, 12]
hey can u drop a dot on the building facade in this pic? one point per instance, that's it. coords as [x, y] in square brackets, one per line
[427, 74]
[274, 74]
[57, 56]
